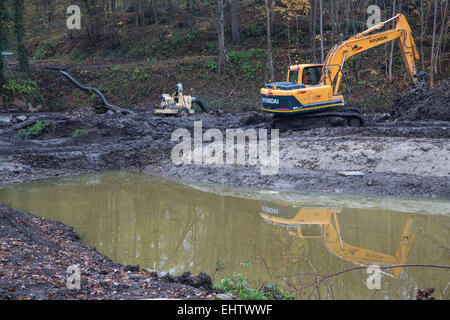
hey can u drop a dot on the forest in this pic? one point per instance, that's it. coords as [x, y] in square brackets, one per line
[240, 44]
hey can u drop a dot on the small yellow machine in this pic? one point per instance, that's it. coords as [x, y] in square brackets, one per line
[314, 88]
[178, 104]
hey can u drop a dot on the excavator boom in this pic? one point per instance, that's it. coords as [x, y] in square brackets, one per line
[402, 33]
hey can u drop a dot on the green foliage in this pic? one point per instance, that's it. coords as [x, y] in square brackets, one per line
[139, 75]
[204, 75]
[56, 105]
[211, 65]
[19, 87]
[136, 53]
[78, 132]
[211, 45]
[39, 54]
[116, 68]
[248, 61]
[239, 286]
[46, 49]
[219, 266]
[35, 130]
[93, 97]
[355, 25]
[256, 29]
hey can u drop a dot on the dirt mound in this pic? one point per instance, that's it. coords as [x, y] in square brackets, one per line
[433, 104]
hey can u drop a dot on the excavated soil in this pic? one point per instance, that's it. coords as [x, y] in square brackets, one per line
[406, 157]
[397, 158]
[433, 104]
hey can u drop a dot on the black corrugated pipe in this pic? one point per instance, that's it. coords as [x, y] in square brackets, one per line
[200, 103]
[96, 91]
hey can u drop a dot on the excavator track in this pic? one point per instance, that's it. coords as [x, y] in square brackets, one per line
[347, 116]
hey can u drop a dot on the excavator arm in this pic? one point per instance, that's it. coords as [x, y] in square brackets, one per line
[360, 256]
[402, 33]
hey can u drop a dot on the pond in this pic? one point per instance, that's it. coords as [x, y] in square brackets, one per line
[286, 238]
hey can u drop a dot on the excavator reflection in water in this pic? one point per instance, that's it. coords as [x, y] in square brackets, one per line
[301, 219]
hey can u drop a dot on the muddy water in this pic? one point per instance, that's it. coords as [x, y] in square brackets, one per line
[263, 235]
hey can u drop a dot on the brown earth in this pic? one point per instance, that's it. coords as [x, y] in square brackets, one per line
[402, 158]
[36, 252]
[433, 104]
[397, 158]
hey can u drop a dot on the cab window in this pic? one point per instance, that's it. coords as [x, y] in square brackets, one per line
[293, 76]
[311, 75]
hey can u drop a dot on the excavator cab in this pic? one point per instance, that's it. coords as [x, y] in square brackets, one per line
[302, 92]
[308, 75]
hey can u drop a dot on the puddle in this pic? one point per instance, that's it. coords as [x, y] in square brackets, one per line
[282, 237]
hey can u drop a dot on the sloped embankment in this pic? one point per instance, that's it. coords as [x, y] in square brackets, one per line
[433, 104]
[36, 252]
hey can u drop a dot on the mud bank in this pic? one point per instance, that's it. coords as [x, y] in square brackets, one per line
[396, 158]
[36, 252]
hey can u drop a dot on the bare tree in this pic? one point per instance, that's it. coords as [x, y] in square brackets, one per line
[3, 39]
[347, 17]
[155, 17]
[22, 51]
[114, 35]
[432, 44]
[234, 22]
[314, 12]
[444, 25]
[221, 36]
[391, 55]
[322, 53]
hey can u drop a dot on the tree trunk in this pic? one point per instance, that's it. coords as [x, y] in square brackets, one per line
[347, 17]
[140, 13]
[441, 34]
[336, 17]
[272, 14]
[289, 40]
[114, 37]
[314, 29]
[234, 22]
[22, 51]
[322, 53]
[269, 43]
[221, 37]
[310, 20]
[3, 21]
[432, 44]
[391, 55]
[333, 26]
[155, 17]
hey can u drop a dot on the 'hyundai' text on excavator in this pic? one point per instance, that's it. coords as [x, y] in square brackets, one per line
[311, 91]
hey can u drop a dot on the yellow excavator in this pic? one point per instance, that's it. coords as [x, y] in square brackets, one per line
[299, 218]
[311, 91]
